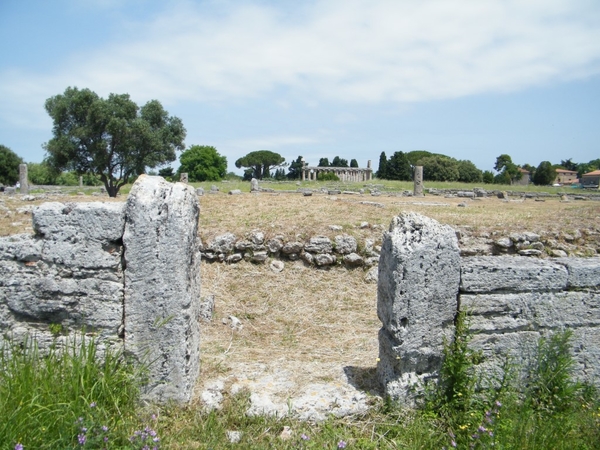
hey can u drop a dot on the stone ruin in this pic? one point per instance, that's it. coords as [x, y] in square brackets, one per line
[126, 273]
[511, 302]
[129, 275]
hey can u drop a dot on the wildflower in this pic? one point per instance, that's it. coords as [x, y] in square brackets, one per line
[84, 429]
[453, 443]
[463, 427]
[93, 405]
[482, 429]
[19, 446]
[342, 444]
[498, 404]
[104, 428]
[81, 438]
[304, 437]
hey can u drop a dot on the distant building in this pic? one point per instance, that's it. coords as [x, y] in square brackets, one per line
[525, 178]
[566, 177]
[591, 180]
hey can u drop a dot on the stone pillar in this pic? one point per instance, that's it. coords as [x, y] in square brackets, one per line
[417, 300]
[183, 178]
[162, 285]
[23, 179]
[80, 181]
[418, 178]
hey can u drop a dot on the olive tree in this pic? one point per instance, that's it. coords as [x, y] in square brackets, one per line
[112, 138]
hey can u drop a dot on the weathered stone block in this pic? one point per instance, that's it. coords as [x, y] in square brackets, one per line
[511, 274]
[419, 275]
[162, 285]
[344, 244]
[319, 244]
[583, 272]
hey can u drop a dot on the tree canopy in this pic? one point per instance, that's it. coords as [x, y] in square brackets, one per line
[382, 168]
[203, 163]
[260, 162]
[439, 168]
[544, 174]
[339, 162]
[398, 167]
[468, 172]
[508, 171]
[112, 138]
[9, 166]
[295, 169]
[353, 163]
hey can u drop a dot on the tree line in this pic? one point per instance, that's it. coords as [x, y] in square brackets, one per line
[112, 140]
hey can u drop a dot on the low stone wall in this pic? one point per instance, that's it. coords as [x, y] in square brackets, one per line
[126, 273]
[512, 301]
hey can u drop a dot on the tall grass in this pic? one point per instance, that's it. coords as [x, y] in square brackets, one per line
[69, 398]
[43, 395]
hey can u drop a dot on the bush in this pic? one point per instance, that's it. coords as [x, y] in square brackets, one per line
[327, 176]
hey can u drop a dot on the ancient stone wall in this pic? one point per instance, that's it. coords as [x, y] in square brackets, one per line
[510, 301]
[127, 274]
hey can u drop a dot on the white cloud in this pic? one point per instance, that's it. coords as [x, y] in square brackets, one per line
[334, 50]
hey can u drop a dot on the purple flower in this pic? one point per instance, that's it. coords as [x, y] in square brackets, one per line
[341, 444]
[154, 417]
[104, 428]
[81, 438]
[19, 446]
[304, 437]
[105, 438]
[498, 404]
[83, 429]
[93, 405]
[453, 443]
[482, 428]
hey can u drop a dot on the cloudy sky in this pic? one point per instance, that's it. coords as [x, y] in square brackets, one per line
[471, 79]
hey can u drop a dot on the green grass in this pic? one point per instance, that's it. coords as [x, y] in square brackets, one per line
[43, 395]
[53, 400]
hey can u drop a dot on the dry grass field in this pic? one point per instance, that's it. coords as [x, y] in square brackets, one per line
[310, 322]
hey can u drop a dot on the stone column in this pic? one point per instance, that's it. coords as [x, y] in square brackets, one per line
[418, 178]
[80, 181]
[184, 178]
[162, 285]
[417, 300]
[23, 180]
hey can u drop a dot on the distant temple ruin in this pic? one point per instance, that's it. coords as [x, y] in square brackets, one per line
[310, 173]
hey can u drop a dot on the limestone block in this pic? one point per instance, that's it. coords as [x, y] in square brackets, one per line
[223, 243]
[36, 291]
[319, 244]
[344, 244]
[292, 247]
[583, 272]
[162, 285]
[324, 259]
[353, 260]
[511, 274]
[419, 275]
[74, 222]
[274, 245]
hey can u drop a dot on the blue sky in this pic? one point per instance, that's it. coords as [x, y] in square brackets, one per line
[320, 78]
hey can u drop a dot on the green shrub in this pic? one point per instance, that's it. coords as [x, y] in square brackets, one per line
[327, 176]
